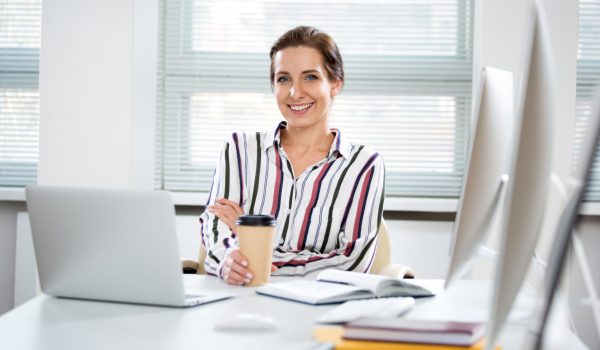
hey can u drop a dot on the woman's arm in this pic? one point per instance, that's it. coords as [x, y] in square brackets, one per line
[217, 236]
[357, 236]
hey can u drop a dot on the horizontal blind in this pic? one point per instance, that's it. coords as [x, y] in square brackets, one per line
[407, 94]
[588, 81]
[20, 34]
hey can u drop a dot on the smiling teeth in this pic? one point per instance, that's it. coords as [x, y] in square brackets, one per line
[300, 107]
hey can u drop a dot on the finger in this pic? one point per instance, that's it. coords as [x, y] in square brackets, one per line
[227, 220]
[232, 270]
[273, 268]
[226, 210]
[233, 277]
[241, 272]
[236, 278]
[221, 205]
[239, 258]
[227, 202]
[239, 264]
[221, 214]
[231, 204]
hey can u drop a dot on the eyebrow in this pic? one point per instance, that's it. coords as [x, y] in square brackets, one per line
[303, 72]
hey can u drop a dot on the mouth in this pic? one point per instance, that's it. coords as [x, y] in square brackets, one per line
[300, 108]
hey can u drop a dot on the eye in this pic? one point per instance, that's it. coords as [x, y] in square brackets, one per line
[282, 79]
[311, 77]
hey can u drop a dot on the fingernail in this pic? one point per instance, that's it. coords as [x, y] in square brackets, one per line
[249, 275]
[241, 283]
[244, 263]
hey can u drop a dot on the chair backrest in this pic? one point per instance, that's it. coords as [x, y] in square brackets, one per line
[382, 252]
[201, 257]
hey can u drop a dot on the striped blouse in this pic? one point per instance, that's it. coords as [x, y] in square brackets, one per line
[328, 216]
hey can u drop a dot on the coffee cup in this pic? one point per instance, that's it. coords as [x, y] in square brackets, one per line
[255, 234]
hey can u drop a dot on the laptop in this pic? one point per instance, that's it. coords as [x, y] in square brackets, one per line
[109, 245]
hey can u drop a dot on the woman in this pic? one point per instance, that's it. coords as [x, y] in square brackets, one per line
[326, 194]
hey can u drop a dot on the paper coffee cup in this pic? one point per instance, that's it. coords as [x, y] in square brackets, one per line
[255, 234]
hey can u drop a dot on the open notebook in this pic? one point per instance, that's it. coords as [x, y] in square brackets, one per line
[336, 286]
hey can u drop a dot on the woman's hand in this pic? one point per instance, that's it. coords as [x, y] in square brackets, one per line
[235, 271]
[227, 211]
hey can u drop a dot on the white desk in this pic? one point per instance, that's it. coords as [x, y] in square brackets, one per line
[53, 323]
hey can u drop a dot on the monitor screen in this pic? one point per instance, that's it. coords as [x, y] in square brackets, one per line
[530, 171]
[487, 169]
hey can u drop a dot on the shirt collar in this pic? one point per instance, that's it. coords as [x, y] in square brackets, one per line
[340, 144]
[274, 136]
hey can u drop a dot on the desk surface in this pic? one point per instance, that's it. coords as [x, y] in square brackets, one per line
[53, 323]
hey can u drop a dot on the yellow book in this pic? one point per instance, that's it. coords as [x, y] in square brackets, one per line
[334, 335]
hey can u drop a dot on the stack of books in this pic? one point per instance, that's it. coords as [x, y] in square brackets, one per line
[403, 334]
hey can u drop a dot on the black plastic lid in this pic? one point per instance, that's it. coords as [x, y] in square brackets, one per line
[256, 220]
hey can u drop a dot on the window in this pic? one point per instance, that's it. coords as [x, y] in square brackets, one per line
[20, 34]
[408, 67]
[588, 79]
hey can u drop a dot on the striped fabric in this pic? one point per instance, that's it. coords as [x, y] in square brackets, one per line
[328, 216]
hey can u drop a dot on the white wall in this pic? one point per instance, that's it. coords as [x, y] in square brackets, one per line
[97, 93]
[8, 227]
[423, 245]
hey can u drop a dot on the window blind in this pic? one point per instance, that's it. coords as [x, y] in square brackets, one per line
[408, 66]
[20, 34]
[588, 80]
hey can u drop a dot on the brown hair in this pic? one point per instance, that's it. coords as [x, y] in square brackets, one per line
[316, 39]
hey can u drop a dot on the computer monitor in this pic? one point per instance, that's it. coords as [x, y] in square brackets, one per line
[530, 171]
[487, 168]
[569, 218]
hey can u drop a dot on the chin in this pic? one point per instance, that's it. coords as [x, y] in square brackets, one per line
[300, 122]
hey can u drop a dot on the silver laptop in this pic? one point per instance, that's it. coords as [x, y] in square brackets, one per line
[111, 245]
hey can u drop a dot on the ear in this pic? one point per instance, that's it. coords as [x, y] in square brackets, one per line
[336, 86]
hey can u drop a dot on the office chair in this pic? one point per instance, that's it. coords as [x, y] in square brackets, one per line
[381, 264]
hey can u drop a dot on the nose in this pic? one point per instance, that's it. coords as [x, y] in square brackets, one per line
[296, 90]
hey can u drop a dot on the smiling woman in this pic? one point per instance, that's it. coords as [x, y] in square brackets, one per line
[325, 193]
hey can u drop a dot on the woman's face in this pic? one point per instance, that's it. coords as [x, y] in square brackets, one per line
[303, 91]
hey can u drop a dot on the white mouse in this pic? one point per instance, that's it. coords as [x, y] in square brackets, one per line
[246, 323]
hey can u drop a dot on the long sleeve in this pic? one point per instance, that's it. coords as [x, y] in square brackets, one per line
[356, 238]
[217, 237]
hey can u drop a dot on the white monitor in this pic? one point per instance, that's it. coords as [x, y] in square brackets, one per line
[531, 167]
[487, 169]
[568, 222]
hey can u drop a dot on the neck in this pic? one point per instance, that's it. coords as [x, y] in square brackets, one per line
[318, 138]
